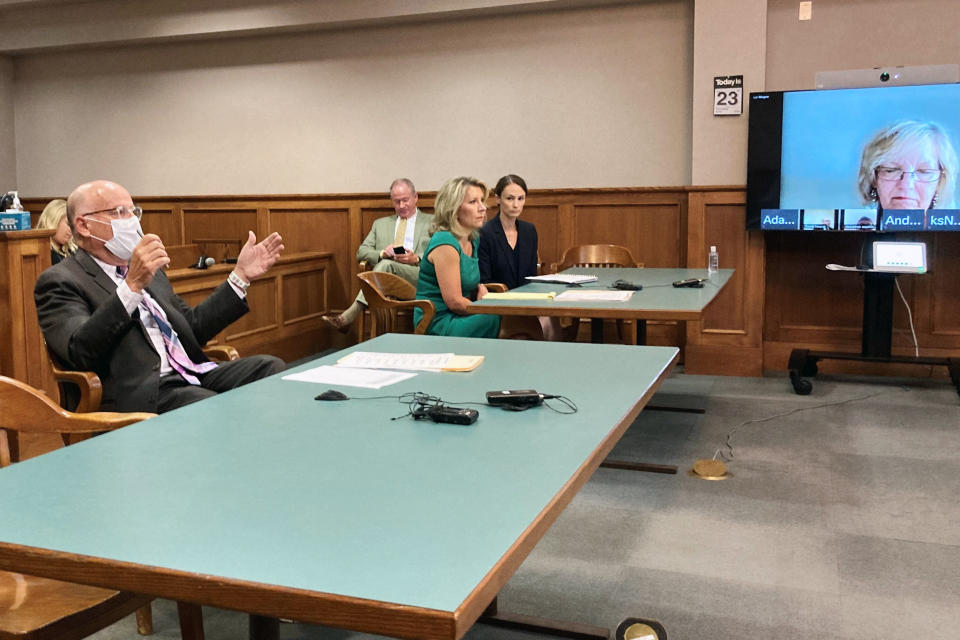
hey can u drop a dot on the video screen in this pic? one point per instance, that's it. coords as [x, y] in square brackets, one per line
[869, 159]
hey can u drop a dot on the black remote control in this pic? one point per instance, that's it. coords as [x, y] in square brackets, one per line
[447, 414]
[696, 283]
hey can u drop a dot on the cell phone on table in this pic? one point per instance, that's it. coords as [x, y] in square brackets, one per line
[399, 251]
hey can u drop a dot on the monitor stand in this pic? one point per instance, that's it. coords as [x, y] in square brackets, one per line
[876, 341]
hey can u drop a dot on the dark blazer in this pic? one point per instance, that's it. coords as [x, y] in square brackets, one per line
[496, 264]
[85, 324]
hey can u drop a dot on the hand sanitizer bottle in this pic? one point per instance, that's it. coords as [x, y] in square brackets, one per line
[713, 261]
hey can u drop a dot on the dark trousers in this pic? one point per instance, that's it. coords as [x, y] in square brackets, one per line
[176, 392]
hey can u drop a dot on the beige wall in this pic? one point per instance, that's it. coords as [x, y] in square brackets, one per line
[8, 162]
[729, 39]
[590, 98]
[858, 34]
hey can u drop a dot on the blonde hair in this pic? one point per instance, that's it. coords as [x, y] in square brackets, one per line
[53, 213]
[899, 136]
[447, 204]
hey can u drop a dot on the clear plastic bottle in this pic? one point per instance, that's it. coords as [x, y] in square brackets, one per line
[713, 261]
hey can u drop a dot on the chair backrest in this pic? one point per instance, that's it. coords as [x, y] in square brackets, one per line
[597, 255]
[391, 301]
[24, 409]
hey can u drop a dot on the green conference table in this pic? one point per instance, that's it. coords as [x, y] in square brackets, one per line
[658, 300]
[266, 501]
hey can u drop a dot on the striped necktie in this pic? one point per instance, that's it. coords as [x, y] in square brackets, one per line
[176, 355]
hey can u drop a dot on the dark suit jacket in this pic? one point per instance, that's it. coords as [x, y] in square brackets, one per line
[85, 324]
[494, 253]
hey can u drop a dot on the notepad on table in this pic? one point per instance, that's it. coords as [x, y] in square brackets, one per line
[563, 278]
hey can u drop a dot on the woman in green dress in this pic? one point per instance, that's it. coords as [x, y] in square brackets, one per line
[450, 271]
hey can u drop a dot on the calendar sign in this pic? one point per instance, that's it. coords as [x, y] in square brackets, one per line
[728, 95]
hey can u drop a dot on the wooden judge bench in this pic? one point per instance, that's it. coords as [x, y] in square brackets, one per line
[779, 298]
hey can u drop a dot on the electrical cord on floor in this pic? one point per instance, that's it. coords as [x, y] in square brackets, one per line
[726, 453]
[916, 347]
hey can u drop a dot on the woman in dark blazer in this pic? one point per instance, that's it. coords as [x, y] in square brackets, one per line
[508, 245]
[508, 250]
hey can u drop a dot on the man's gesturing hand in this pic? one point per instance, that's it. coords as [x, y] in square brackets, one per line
[148, 256]
[256, 258]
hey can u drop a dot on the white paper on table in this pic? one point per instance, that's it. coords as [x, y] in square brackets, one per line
[350, 377]
[594, 295]
[378, 360]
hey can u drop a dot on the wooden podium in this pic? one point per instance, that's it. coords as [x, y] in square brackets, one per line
[23, 255]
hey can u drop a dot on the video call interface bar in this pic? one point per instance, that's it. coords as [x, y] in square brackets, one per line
[860, 220]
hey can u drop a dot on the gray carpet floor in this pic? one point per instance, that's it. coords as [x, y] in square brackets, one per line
[841, 520]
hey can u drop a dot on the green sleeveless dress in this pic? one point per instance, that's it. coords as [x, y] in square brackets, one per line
[446, 322]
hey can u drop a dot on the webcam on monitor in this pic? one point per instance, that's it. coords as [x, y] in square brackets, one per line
[888, 76]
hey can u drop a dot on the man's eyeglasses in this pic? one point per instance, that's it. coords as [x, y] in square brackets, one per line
[123, 211]
[893, 174]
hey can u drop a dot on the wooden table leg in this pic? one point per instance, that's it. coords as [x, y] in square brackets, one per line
[191, 620]
[264, 628]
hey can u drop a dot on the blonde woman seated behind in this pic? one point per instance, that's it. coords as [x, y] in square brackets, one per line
[54, 216]
[450, 271]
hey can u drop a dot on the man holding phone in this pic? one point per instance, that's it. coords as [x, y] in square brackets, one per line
[395, 244]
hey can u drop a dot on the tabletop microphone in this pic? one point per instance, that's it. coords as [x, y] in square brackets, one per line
[203, 262]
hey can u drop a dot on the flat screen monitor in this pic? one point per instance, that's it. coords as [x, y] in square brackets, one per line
[875, 159]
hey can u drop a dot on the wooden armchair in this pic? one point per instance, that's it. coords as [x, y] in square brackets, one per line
[597, 256]
[81, 391]
[388, 297]
[40, 608]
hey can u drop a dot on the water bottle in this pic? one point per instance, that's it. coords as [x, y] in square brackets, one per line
[713, 261]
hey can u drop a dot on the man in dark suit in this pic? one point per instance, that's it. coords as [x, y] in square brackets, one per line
[110, 309]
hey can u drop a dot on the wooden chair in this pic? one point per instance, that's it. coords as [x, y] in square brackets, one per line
[389, 297]
[597, 256]
[81, 391]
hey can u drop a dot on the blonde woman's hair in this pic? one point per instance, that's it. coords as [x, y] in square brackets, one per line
[447, 204]
[53, 213]
[898, 137]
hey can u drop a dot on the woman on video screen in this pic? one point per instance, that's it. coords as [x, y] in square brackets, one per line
[908, 165]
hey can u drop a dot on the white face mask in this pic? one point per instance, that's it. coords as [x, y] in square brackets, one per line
[126, 236]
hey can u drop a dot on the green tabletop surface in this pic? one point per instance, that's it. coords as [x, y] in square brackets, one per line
[264, 484]
[657, 300]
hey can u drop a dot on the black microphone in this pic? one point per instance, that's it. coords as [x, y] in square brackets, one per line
[203, 262]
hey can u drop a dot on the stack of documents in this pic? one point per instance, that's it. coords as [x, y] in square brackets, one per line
[373, 370]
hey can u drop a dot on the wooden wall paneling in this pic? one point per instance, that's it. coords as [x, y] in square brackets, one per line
[546, 218]
[650, 231]
[806, 303]
[940, 308]
[285, 305]
[164, 219]
[779, 276]
[566, 230]
[23, 256]
[324, 227]
[216, 223]
[729, 338]
[303, 296]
